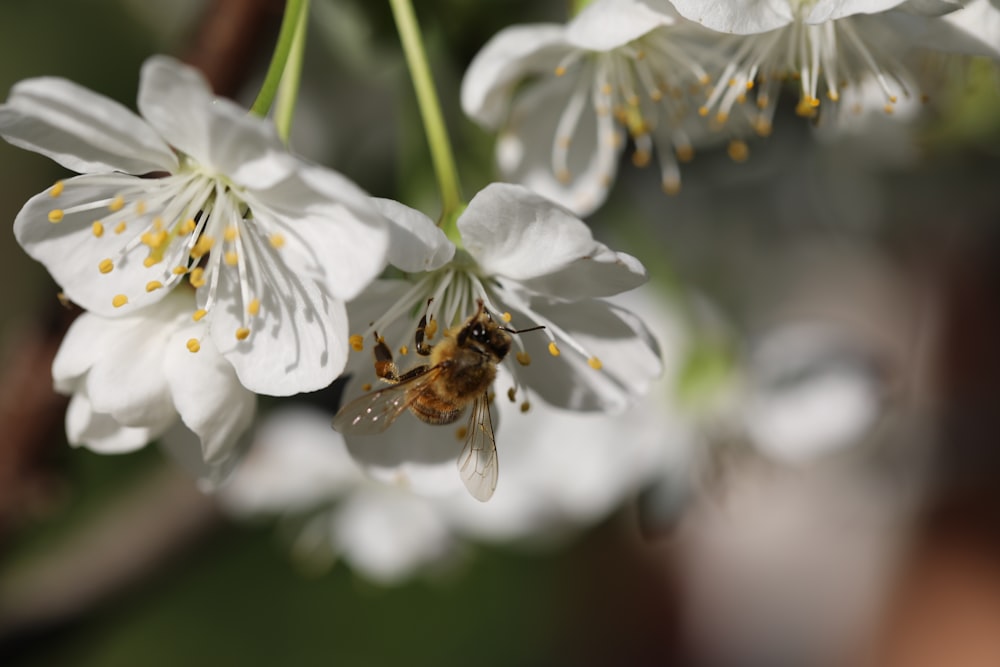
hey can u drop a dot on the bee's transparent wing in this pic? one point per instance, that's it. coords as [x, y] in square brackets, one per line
[374, 413]
[477, 463]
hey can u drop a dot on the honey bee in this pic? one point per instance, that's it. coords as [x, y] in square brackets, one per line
[462, 368]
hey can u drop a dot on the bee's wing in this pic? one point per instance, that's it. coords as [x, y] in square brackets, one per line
[477, 463]
[374, 413]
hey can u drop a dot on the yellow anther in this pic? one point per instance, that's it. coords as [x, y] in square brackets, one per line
[762, 101]
[893, 99]
[152, 260]
[120, 227]
[563, 176]
[231, 258]
[57, 189]
[741, 98]
[277, 241]
[523, 358]
[732, 82]
[97, 229]
[117, 204]
[366, 386]
[512, 394]
[684, 153]
[749, 85]
[505, 317]
[888, 108]
[197, 277]
[119, 300]
[656, 95]
[198, 314]
[357, 342]
[179, 270]
[140, 207]
[193, 345]
[704, 79]
[153, 285]
[230, 233]
[56, 215]
[595, 363]
[671, 185]
[461, 432]
[158, 223]
[738, 150]
[106, 266]
[564, 142]
[560, 70]
[202, 246]
[633, 100]
[606, 89]
[187, 226]
[641, 158]
[253, 307]
[431, 329]
[833, 95]
[721, 117]
[242, 333]
[553, 349]
[403, 350]
[154, 239]
[525, 406]
[703, 111]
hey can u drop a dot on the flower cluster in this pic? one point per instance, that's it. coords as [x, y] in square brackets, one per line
[673, 75]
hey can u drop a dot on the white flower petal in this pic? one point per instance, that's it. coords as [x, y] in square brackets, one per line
[514, 233]
[526, 146]
[216, 132]
[511, 55]
[742, 17]
[80, 129]
[603, 272]
[184, 447]
[831, 10]
[974, 30]
[73, 253]
[100, 432]
[604, 25]
[415, 242]
[298, 338]
[88, 340]
[629, 356]
[207, 394]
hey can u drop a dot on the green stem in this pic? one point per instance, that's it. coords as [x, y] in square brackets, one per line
[294, 9]
[430, 112]
[291, 76]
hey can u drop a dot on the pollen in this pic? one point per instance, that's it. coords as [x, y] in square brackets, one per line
[703, 111]
[684, 153]
[242, 333]
[431, 329]
[232, 259]
[525, 406]
[56, 215]
[117, 204]
[595, 363]
[253, 307]
[187, 226]
[553, 349]
[366, 386]
[179, 270]
[202, 246]
[403, 350]
[833, 95]
[193, 345]
[197, 277]
[153, 285]
[230, 234]
[57, 189]
[277, 241]
[888, 108]
[119, 300]
[560, 70]
[106, 266]
[198, 314]
[512, 394]
[97, 229]
[738, 150]
[357, 342]
[671, 185]
[150, 261]
[140, 207]
[461, 432]
[523, 358]
[641, 158]
[120, 227]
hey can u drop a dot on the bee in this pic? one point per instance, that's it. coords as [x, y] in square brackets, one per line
[462, 368]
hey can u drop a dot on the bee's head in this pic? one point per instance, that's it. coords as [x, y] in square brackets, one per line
[485, 335]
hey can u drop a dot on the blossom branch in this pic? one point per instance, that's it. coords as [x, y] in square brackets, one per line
[294, 11]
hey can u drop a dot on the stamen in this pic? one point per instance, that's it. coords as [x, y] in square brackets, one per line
[231, 258]
[120, 227]
[119, 300]
[193, 345]
[179, 270]
[197, 277]
[97, 229]
[106, 266]
[56, 216]
[117, 204]
[523, 358]
[738, 150]
[253, 307]
[553, 349]
[153, 285]
[198, 314]
[525, 406]
[57, 189]
[202, 246]
[242, 333]
[595, 363]
[512, 394]
[277, 240]
[230, 233]
[403, 350]
[357, 342]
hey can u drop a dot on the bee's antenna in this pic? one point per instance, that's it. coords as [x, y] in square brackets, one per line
[521, 331]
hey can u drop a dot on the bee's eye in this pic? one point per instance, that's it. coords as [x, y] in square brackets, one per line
[478, 332]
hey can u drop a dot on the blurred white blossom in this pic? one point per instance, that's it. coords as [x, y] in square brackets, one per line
[197, 188]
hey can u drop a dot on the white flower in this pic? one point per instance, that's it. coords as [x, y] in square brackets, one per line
[134, 377]
[562, 471]
[197, 188]
[828, 47]
[619, 68]
[531, 263]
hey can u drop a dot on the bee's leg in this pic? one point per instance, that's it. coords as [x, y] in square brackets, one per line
[423, 348]
[385, 368]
